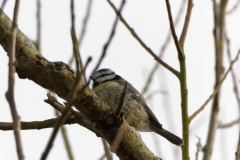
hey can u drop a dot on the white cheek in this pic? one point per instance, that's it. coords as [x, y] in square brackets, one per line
[102, 79]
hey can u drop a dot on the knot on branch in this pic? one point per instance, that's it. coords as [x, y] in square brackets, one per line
[59, 66]
[110, 121]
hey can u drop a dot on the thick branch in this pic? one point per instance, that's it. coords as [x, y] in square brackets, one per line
[49, 123]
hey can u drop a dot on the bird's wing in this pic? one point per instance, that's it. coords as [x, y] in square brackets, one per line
[137, 96]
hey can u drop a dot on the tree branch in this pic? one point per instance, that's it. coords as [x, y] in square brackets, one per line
[227, 125]
[175, 38]
[49, 123]
[10, 91]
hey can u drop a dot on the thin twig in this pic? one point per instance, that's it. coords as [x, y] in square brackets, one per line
[72, 96]
[235, 83]
[78, 116]
[164, 47]
[107, 150]
[175, 38]
[228, 125]
[83, 31]
[121, 100]
[60, 108]
[38, 43]
[234, 8]
[186, 23]
[219, 39]
[109, 39]
[65, 139]
[153, 93]
[10, 92]
[175, 72]
[237, 153]
[79, 64]
[48, 123]
[3, 4]
[52, 100]
[199, 147]
[85, 22]
[183, 76]
[216, 90]
[77, 54]
[102, 157]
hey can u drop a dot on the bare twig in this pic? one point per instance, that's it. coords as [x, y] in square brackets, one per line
[186, 23]
[107, 150]
[10, 92]
[84, 27]
[77, 55]
[49, 123]
[238, 150]
[175, 72]
[183, 77]
[102, 157]
[52, 100]
[163, 48]
[88, 61]
[175, 38]
[153, 93]
[121, 100]
[85, 22]
[236, 91]
[58, 123]
[79, 64]
[109, 39]
[65, 139]
[234, 8]
[219, 39]
[3, 4]
[38, 42]
[60, 108]
[230, 124]
[79, 117]
[235, 83]
[199, 147]
[118, 139]
[216, 90]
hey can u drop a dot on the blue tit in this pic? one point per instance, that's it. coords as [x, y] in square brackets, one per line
[108, 87]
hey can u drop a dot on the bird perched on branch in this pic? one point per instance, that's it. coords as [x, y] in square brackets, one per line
[108, 86]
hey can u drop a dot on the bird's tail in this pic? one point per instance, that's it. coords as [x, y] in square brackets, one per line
[170, 136]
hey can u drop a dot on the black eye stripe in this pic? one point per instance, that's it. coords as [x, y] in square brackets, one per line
[106, 74]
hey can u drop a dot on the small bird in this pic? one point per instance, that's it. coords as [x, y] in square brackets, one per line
[108, 87]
